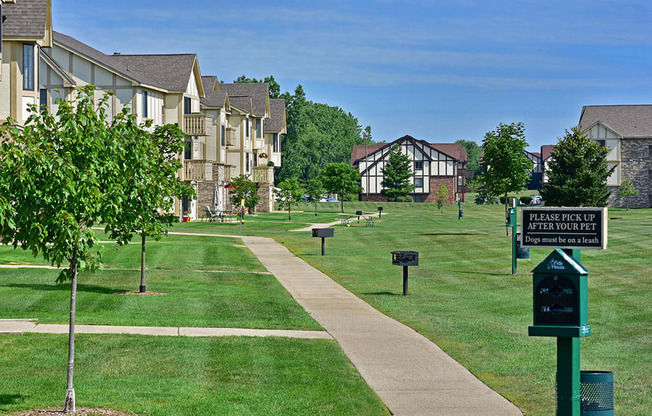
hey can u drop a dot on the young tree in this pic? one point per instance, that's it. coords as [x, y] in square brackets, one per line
[627, 191]
[244, 188]
[507, 166]
[442, 195]
[58, 177]
[342, 179]
[396, 176]
[313, 191]
[578, 172]
[151, 185]
[289, 193]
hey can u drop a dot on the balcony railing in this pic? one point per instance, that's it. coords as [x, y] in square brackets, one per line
[194, 124]
[230, 136]
[194, 170]
[263, 174]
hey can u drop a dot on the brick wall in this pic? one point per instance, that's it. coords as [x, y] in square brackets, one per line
[635, 164]
[435, 183]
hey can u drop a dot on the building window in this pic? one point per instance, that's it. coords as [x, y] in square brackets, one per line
[259, 128]
[144, 107]
[275, 143]
[602, 143]
[28, 66]
[418, 182]
[43, 99]
[459, 181]
[247, 127]
[187, 154]
[247, 162]
[255, 159]
[187, 105]
[418, 165]
[223, 138]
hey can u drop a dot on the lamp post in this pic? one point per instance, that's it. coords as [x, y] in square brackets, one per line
[366, 161]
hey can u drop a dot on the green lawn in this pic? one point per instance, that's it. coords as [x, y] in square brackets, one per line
[185, 376]
[207, 281]
[464, 298]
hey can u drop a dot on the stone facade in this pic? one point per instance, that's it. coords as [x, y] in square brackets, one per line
[435, 183]
[266, 192]
[636, 164]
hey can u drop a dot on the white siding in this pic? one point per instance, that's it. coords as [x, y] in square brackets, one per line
[103, 77]
[25, 105]
[81, 70]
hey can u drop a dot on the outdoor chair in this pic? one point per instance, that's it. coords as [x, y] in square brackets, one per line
[211, 214]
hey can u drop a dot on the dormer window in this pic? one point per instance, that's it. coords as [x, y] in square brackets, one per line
[28, 66]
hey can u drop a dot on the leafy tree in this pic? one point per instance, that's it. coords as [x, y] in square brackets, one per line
[578, 172]
[244, 188]
[289, 193]
[396, 176]
[342, 179]
[58, 177]
[442, 195]
[151, 185]
[473, 151]
[627, 191]
[507, 166]
[313, 191]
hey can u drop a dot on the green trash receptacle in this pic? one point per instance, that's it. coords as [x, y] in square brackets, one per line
[596, 393]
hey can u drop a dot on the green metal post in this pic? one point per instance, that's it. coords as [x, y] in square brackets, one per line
[459, 209]
[568, 376]
[512, 221]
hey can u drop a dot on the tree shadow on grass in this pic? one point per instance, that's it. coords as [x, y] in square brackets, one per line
[506, 274]
[65, 287]
[11, 398]
[382, 293]
[438, 234]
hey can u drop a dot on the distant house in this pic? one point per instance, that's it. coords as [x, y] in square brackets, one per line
[626, 130]
[536, 174]
[546, 156]
[433, 165]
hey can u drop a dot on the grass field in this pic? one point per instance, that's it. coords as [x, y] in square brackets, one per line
[464, 298]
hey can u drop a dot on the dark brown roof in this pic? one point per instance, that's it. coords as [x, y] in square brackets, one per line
[454, 150]
[212, 99]
[25, 19]
[274, 123]
[241, 103]
[258, 92]
[546, 151]
[629, 121]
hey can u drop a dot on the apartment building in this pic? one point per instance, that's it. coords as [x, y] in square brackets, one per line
[433, 165]
[626, 130]
[26, 27]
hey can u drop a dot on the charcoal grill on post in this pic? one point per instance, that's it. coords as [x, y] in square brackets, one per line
[380, 212]
[405, 259]
[322, 233]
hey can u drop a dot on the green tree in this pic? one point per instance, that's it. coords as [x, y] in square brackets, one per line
[578, 172]
[244, 188]
[313, 191]
[507, 166]
[473, 151]
[289, 193]
[442, 196]
[58, 177]
[274, 87]
[627, 191]
[342, 179]
[396, 176]
[151, 185]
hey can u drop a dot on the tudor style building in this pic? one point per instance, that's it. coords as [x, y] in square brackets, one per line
[626, 130]
[433, 165]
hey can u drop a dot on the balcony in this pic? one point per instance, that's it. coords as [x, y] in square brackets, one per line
[230, 137]
[264, 174]
[194, 170]
[194, 124]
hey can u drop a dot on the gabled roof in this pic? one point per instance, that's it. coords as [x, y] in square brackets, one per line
[68, 81]
[170, 73]
[27, 19]
[213, 98]
[628, 121]
[241, 103]
[453, 150]
[546, 151]
[257, 92]
[275, 123]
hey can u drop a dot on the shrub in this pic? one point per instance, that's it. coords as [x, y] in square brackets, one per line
[525, 199]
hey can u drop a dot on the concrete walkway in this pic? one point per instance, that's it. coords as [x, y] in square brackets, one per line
[19, 326]
[410, 374]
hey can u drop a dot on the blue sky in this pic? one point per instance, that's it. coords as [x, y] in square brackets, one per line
[437, 70]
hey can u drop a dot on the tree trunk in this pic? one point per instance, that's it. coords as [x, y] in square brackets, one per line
[341, 204]
[69, 405]
[289, 212]
[506, 217]
[316, 207]
[142, 265]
